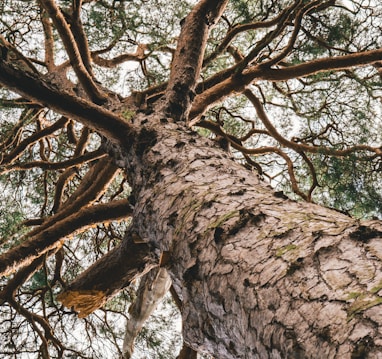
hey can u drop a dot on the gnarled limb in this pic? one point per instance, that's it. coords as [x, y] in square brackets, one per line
[106, 277]
[231, 84]
[92, 115]
[74, 52]
[188, 57]
[53, 236]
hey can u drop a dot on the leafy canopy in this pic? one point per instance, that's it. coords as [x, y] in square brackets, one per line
[309, 122]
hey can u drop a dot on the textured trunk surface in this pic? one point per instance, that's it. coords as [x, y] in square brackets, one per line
[260, 276]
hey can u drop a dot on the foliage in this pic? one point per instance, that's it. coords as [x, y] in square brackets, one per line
[316, 136]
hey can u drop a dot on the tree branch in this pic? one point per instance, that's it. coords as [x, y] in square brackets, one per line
[53, 236]
[282, 23]
[231, 84]
[70, 172]
[235, 30]
[73, 52]
[49, 40]
[46, 165]
[138, 55]
[18, 150]
[106, 277]
[92, 115]
[79, 35]
[188, 57]
[299, 147]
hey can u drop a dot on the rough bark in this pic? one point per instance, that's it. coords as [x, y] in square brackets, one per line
[113, 272]
[188, 57]
[260, 276]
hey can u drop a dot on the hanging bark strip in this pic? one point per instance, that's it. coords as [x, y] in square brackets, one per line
[259, 276]
[257, 273]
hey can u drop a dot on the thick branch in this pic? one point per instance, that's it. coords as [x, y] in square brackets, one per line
[113, 272]
[188, 57]
[53, 236]
[49, 41]
[138, 55]
[94, 116]
[335, 63]
[91, 188]
[79, 34]
[73, 51]
[238, 83]
[187, 353]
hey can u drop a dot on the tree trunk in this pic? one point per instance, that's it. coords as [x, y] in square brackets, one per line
[260, 276]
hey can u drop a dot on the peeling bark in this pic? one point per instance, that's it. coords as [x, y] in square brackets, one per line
[259, 275]
[152, 288]
[112, 272]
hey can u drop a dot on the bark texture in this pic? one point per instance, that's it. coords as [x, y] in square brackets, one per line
[260, 276]
[152, 288]
[113, 272]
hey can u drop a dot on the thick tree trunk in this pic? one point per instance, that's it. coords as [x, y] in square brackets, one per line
[260, 276]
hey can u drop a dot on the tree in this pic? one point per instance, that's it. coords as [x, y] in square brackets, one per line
[184, 153]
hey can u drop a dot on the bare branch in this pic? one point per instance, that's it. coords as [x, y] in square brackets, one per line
[106, 277]
[53, 236]
[73, 52]
[188, 57]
